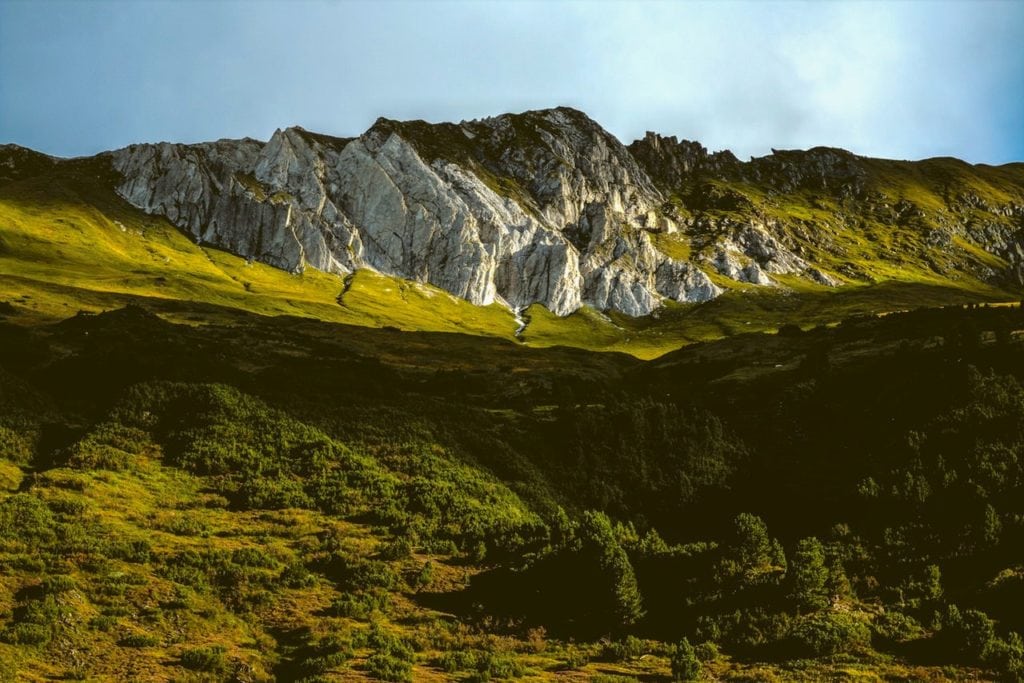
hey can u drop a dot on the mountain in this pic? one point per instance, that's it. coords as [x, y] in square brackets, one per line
[552, 230]
[547, 207]
[281, 412]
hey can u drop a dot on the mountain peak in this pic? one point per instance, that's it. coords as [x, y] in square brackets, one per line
[19, 162]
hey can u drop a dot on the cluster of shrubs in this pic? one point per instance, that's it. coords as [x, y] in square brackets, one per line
[481, 665]
[243, 579]
[109, 446]
[15, 445]
[969, 635]
[61, 526]
[210, 659]
[361, 605]
[262, 458]
[392, 658]
[42, 612]
[321, 656]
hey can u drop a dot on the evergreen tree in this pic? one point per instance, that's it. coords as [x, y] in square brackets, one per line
[685, 665]
[838, 585]
[628, 602]
[932, 583]
[750, 553]
[808, 576]
[751, 546]
[621, 601]
[991, 527]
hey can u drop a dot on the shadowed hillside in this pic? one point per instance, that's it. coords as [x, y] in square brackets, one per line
[289, 498]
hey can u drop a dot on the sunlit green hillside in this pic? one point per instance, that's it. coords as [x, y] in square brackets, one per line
[68, 243]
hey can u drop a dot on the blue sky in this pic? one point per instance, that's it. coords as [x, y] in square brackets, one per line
[900, 79]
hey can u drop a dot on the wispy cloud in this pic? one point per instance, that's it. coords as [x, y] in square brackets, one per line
[909, 79]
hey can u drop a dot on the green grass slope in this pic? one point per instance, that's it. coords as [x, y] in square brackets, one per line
[68, 243]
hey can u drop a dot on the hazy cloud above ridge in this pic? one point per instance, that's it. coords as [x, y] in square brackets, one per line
[905, 80]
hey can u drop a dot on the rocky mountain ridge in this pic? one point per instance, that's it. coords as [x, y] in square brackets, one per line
[547, 207]
[559, 221]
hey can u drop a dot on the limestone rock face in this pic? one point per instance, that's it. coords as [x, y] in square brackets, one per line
[543, 207]
[752, 254]
[209, 192]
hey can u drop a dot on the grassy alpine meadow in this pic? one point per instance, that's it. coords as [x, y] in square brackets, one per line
[70, 244]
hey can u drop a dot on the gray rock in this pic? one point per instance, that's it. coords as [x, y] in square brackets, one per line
[544, 207]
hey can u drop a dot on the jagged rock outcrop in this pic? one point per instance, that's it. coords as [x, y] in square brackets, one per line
[542, 207]
[779, 213]
[821, 168]
[752, 254]
[674, 162]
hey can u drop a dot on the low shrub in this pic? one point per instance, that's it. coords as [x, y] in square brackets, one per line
[25, 518]
[59, 583]
[212, 659]
[968, 633]
[706, 652]
[360, 605]
[139, 640]
[387, 667]
[295, 575]
[685, 664]
[185, 525]
[623, 650]
[103, 622]
[493, 666]
[576, 659]
[895, 627]
[456, 660]
[26, 634]
[398, 549]
[829, 633]
[253, 557]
